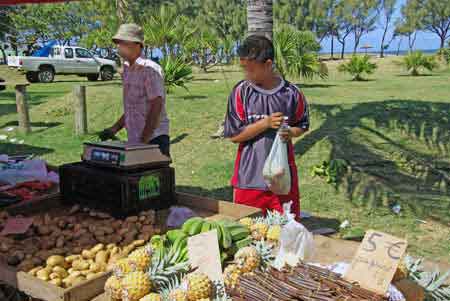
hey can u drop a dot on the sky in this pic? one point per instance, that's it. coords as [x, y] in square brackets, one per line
[424, 41]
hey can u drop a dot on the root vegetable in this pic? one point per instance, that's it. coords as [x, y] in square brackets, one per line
[43, 274]
[54, 276]
[33, 271]
[61, 272]
[72, 258]
[88, 254]
[102, 257]
[80, 265]
[55, 260]
[91, 276]
[56, 281]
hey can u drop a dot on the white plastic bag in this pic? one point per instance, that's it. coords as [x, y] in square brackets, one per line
[276, 171]
[296, 244]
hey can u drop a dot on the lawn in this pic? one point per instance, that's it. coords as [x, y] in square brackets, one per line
[393, 129]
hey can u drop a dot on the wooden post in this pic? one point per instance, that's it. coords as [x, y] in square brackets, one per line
[79, 93]
[22, 109]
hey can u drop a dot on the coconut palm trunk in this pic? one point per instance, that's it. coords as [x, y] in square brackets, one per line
[260, 17]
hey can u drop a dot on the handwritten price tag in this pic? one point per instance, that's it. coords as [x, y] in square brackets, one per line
[376, 261]
[204, 254]
[17, 226]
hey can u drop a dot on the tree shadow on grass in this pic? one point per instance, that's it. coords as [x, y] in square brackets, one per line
[6, 108]
[13, 149]
[313, 86]
[42, 126]
[223, 193]
[385, 169]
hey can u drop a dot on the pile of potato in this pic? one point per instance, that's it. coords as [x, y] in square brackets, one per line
[74, 269]
[73, 232]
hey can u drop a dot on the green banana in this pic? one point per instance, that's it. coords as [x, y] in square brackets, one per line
[206, 227]
[196, 227]
[239, 233]
[227, 239]
[188, 224]
[223, 257]
[244, 242]
[173, 235]
[180, 243]
[216, 226]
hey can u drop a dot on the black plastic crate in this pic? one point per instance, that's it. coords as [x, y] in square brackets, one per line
[118, 192]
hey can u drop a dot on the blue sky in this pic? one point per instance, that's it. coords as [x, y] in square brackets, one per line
[425, 40]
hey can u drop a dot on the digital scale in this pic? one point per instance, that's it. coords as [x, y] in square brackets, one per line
[119, 177]
[124, 155]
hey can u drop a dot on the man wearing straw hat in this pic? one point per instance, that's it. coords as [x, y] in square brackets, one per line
[145, 116]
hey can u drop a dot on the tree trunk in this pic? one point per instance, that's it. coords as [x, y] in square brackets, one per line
[332, 46]
[260, 18]
[121, 10]
[5, 61]
[382, 42]
[398, 48]
[442, 37]
[343, 50]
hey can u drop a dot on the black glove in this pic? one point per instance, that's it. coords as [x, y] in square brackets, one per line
[106, 134]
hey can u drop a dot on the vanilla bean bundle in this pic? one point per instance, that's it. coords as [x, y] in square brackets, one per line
[304, 282]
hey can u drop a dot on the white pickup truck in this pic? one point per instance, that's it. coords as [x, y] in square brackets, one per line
[67, 60]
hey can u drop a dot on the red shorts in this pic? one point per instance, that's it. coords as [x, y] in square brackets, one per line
[267, 200]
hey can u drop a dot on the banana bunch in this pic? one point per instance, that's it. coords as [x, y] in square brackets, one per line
[333, 170]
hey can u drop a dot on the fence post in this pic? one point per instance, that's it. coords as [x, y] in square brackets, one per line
[79, 93]
[22, 109]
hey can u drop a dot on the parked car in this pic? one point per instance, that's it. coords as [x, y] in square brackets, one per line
[67, 60]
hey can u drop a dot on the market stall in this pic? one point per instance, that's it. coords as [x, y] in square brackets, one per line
[119, 231]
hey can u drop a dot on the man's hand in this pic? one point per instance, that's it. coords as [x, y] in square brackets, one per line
[286, 134]
[274, 121]
[107, 134]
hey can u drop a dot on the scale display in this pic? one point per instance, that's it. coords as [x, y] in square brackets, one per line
[105, 156]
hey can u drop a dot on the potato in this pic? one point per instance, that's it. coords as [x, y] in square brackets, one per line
[114, 251]
[97, 248]
[110, 246]
[56, 281]
[79, 233]
[55, 260]
[26, 265]
[80, 265]
[44, 230]
[88, 254]
[102, 257]
[61, 272]
[48, 243]
[33, 271]
[78, 280]
[4, 247]
[75, 274]
[96, 267]
[54, 275]
[43, 274]
[85, 272]
[138, 243]
[144, 236]
[47, 219]
[72, 258]
[70, 270]
[60, 241]
[128, 249]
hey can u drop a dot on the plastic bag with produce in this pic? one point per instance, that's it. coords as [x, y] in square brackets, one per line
[276, 171]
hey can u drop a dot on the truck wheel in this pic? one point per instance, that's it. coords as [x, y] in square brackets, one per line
[32, 77]
[92, 77]
[46, 75]
[106, 73]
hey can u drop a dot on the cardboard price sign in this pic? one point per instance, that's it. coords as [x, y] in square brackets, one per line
[204, 254]
[17, 226]
[376, 261]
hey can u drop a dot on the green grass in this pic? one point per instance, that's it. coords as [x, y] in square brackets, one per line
[390, 128]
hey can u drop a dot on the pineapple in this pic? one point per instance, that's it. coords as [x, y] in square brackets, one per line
[151, 297]
[231, 276]
[140, 259]
[199, 286]
[274, 232]
[259, 230]
[178, 295]
[265, 252]
[113, 288]
[246, 221]
[135, 285]
[122, 267]
[247, 259]
[276, 218]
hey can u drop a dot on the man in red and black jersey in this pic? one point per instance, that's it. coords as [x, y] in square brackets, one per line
[257, 107]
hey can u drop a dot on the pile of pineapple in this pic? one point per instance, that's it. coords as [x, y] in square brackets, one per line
[152, 273]
[266, 228]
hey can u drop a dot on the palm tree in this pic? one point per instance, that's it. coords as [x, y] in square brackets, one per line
[122, 10]
[260, 17]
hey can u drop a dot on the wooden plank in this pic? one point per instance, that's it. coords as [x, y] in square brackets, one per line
[236, 211]
[86, 290]
[38, 288]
